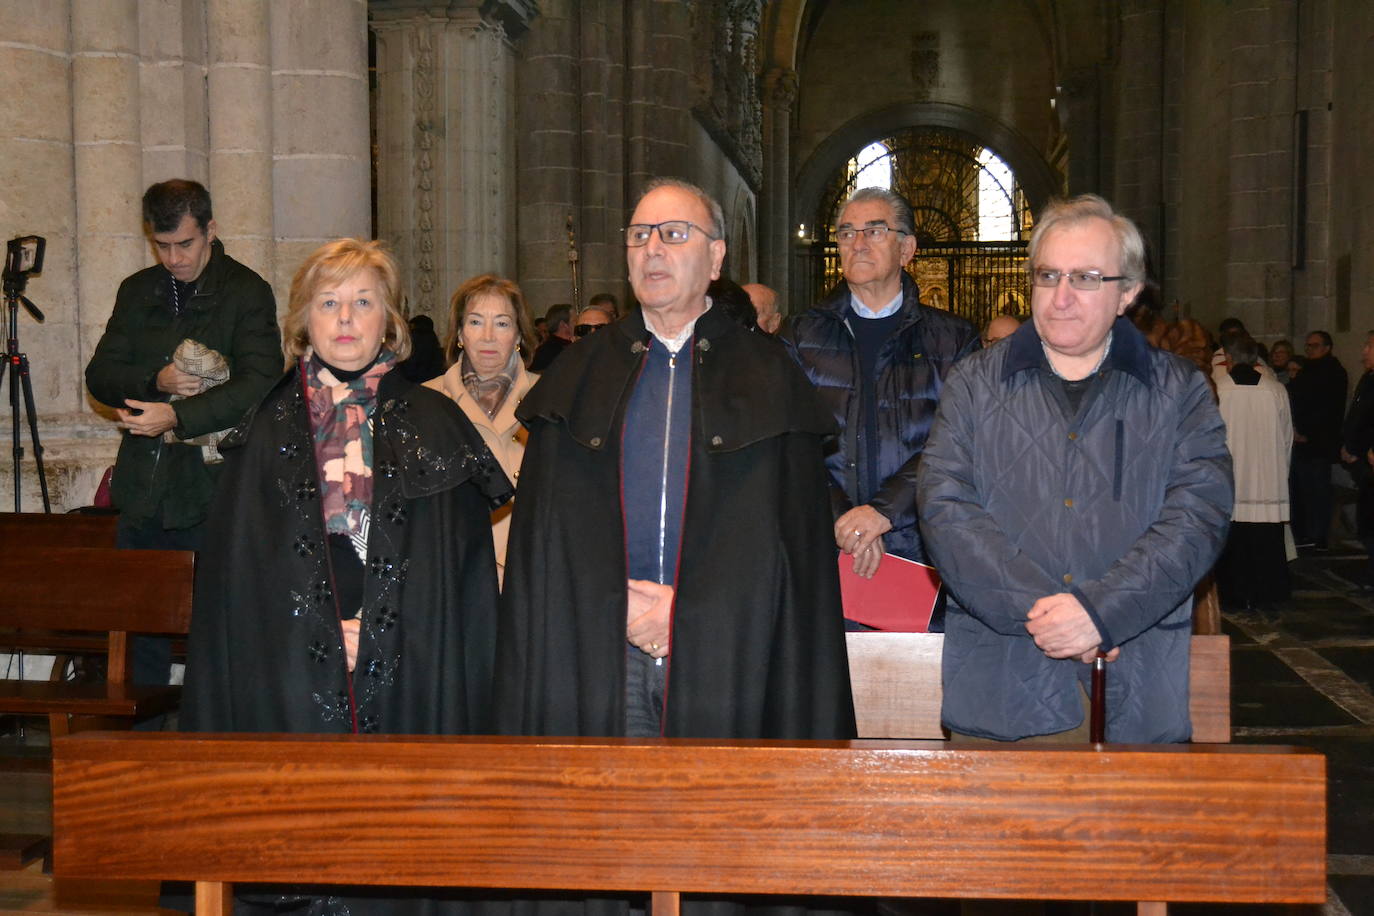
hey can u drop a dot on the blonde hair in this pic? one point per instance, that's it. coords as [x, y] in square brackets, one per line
[332, 263]
[487, 285]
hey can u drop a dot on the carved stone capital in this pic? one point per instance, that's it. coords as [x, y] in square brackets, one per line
[780, 88]
[513, 17]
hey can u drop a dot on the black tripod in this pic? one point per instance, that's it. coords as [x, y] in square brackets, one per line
[18, 373]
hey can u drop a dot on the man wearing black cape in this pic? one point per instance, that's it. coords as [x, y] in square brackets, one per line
[672, 571]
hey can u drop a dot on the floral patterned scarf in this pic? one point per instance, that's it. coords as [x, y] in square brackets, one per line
[341, 426]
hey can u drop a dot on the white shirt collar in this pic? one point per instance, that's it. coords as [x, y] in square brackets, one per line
[864, 311]
[674, 344]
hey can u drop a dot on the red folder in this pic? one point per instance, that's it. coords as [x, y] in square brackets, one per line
[900, 596]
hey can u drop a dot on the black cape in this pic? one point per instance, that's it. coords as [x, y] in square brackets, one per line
[758, 648]
[265, 651]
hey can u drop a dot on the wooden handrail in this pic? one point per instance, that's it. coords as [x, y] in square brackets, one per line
[864, 818]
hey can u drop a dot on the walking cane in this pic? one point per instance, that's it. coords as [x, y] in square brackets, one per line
[1097, 726]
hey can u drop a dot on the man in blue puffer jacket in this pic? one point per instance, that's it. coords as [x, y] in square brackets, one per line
[1075, 488]
[879, 359]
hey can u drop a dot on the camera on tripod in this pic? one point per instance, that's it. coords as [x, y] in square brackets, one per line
[23, 258]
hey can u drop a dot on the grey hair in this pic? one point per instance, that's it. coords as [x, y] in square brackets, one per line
[717, 227]
[1241, 350]
[901, 210]
[1080, 209]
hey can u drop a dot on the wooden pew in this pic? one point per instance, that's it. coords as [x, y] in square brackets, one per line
[863, 818]
[98, 595]
[896, 680]
[35, 530]
[94, 590]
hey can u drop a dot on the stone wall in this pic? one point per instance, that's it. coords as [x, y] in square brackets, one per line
[266, 102]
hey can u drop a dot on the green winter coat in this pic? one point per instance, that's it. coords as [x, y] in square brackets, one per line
[232, 311]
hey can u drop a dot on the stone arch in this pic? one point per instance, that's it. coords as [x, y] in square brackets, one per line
[1038, 180]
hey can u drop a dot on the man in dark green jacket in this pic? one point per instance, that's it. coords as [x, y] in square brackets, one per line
[197, 292]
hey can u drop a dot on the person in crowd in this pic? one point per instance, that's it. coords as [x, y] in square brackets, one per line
[765, 302]
[608, 303]
[1253, 571]
[426, 359]
[559, 320]
[162, 484]
[712, 609]
[592, 319]
[729, 296]
[1000, 327]
[1357, 454]
[879, 359]
[348, 583]
[541, 330]
[1281, 361]
[1074, 489]
[489, 330]
[1318, 398]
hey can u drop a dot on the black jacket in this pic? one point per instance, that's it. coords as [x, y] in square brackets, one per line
[912, 367]
[758, 646]
[1318, 396]
[232, 311]
[265, 651]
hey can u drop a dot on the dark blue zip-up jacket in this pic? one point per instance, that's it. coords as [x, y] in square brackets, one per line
[911, 370]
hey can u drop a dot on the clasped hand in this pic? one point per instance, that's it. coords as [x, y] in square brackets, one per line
[1061, 628]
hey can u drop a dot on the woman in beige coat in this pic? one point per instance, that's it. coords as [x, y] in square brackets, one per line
[489, 326]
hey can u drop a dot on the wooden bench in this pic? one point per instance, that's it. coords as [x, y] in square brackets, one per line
[897, 694]
[35, 530]
[58, 597]
[864, 818]
[94, 590]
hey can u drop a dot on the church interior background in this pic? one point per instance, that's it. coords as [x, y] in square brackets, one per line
[512, 136]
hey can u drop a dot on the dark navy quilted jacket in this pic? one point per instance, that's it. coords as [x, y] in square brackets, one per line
[1125, 505]
[911, 371]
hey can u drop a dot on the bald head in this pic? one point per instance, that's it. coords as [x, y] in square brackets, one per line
[765, 306]
[999, 327]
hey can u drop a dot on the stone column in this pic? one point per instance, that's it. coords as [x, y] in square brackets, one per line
[239, 86]
[446, 145]
[1139, 191]
[775, 223]
[321, 175]
[108, 156]
[1262, 100]
[172, 92]
[35, 197]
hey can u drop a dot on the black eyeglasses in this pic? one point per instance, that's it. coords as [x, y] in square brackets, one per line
[672, 232]
[1086, 280]
[582, 330]
[872, 233]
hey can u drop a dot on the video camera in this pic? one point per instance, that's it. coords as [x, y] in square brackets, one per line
[23, 258]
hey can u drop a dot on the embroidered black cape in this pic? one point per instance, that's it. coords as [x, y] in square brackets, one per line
[265, 651]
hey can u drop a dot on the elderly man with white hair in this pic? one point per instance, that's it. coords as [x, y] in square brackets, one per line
[1075, 487]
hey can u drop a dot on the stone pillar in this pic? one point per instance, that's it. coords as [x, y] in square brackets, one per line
[1262, 99]
[36, 156]
[239, 86]
[446, 145]
[550, 162]
[108, 157]
[1138, 191]
[775, 223]
[321, 175]
[171, 100]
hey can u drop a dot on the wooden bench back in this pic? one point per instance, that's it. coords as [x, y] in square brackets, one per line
[39, 529]
[100, 589]
[897, 692]
[864, 818]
